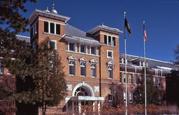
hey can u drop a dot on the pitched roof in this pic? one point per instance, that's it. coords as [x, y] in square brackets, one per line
[48, 14]
[73, 31]
[152, 63]
[104, 28]
[74, 34]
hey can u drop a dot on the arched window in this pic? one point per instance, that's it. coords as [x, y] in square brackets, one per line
[71, 65]
[110, 69]
[93, 67]
[83, 67]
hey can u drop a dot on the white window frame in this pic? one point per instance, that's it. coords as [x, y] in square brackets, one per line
[71, 65]
[111, 52]
[94, 49]
[55, 23]
[109, 37]
[55, 43]
[85, 49]
[75, 46]
[84, 66]
[93, 66]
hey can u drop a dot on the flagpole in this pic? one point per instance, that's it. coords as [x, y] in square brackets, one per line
[125, 58]
[145, 83]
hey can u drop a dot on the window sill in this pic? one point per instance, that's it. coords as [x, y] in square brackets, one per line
[71, 75]
[81, 53]
[110, 78]
[52, 34]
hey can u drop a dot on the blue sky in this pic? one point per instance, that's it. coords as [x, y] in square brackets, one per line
[161, 16]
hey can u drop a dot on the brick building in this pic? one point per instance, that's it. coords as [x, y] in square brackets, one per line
[91, 60]
[157, 71]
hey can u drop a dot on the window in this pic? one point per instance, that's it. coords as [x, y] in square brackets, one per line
[82, 49]
[71, 47]
[93, 69]
[52, 44]
[58, 29]
[109, 54]
[31, 32]
[71, 67]
[110, 71]
[109, 40]
[83, 68]
[129, 78]
[1, 69]
[105, 39]
[130, 97]
[93, 50]
[113, 41]
[121, 76]
[52, 28]
[46, 27]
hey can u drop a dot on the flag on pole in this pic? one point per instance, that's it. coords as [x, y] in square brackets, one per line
[145, 31]
[127, 26]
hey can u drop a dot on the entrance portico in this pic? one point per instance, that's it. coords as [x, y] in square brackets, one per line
[83, 96]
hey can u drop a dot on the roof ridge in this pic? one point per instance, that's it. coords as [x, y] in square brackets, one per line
[76, 28]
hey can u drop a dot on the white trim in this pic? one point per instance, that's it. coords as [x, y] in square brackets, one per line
[51, 21]
[55, 41]
[75, 47]
[83, 84]
[49, 32]
[55, 31]
[82, 53]
[85, 49]
[111, 52]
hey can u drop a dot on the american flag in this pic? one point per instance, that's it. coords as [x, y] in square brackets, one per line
[145, 32]
[145, 35]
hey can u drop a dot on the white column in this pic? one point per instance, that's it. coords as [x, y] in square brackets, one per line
[99, 106]
[94, 106]
[79, 107]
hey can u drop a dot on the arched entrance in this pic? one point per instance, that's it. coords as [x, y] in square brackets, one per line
[83, 99]
[83, 89]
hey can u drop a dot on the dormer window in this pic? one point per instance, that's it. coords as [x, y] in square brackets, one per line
[93, 50]
[82, 49]
[71, 46]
